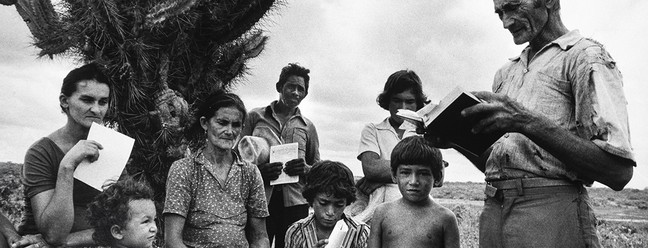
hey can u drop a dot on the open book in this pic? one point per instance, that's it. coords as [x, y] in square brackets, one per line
[444, 120]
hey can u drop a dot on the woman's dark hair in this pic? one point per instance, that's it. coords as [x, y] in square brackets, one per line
[401, 81]
[293, 69]
[211, 104]
[331, 178]
[416, 150]
[87, 72]
[110, 207]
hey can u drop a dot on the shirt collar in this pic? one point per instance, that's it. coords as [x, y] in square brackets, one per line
[565, 42]
[270, 109]
[384, 125]
[199, 157]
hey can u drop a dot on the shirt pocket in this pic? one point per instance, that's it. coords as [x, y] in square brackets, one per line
[552, 96]
[300, 135]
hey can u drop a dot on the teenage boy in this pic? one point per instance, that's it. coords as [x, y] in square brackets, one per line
[123, 215]
[415, 220]
[329, 189]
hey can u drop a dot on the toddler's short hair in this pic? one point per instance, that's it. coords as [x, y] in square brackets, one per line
[110, 207]
[416, 150]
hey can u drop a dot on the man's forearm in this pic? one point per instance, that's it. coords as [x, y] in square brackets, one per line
[582, 156]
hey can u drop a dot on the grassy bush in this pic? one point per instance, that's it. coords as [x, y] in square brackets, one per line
[11, 192]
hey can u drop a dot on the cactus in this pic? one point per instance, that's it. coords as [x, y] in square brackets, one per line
[162, 56]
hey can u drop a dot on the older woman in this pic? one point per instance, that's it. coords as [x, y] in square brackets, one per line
[213, 198]
[55, 203]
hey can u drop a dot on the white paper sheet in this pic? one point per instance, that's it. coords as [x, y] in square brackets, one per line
[337, 235]
[284, 153]
[112, 158]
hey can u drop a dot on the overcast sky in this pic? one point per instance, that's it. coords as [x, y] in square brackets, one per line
[351, 47]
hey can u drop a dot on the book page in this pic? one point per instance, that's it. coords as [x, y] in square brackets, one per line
[112, 158]
[284, 153]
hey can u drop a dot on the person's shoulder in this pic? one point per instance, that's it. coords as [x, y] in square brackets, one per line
[440, 210]
[258, 110]
[590, 49]
[297, 225]
[307, 121]
[182, 164]
[386, 207]
[41, 144]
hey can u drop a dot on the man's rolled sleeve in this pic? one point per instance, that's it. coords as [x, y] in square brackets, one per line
[601, 106]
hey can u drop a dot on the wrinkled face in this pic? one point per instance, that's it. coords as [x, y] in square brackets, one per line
[414, 181]
[140, 229]
[293, 91]
[403, 100]
[328, 209]
[223, 128]
[87, 104]
[523, 18]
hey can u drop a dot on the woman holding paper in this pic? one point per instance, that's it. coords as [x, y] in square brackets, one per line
[213, 198]
[55, 202]
[403, 90]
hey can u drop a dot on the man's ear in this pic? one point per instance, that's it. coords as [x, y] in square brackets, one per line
[116, 232]
[278, 87]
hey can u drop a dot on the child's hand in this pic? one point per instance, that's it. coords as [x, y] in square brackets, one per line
[321, 243]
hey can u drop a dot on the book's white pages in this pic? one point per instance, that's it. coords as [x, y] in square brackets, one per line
[284, 153]
[112, 159]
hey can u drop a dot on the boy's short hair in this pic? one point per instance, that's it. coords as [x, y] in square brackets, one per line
[332, 178]
[110, 207]
[416, 150]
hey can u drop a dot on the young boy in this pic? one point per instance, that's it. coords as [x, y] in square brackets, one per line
[123, 215]
[414, 220]
[329, 189]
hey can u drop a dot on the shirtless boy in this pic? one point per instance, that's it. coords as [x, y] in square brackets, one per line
[415, 220]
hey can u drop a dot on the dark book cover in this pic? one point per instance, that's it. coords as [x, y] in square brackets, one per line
[445, 121]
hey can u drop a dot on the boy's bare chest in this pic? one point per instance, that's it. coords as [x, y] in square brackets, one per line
[412, 231]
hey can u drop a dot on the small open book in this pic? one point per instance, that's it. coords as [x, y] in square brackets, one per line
[445, 120]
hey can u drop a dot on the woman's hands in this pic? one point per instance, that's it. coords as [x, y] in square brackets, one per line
[84, 149]
[29, 241]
